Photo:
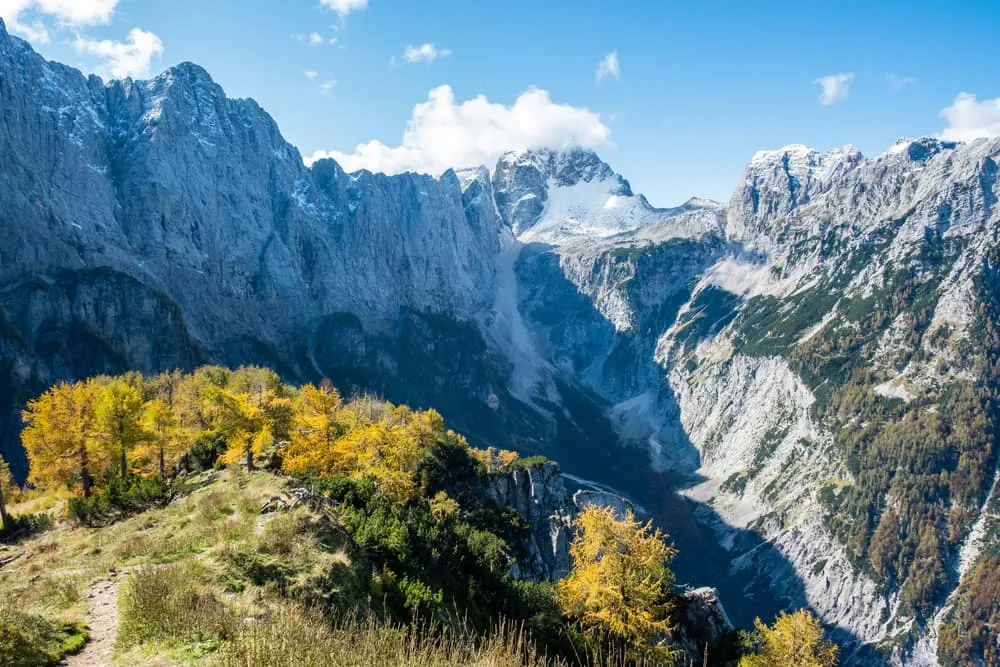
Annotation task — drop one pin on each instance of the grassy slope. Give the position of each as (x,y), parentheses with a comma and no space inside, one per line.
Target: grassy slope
(210,576)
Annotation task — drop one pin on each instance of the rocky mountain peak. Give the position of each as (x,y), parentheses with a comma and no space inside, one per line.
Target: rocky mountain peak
(921,149)
(777,182)
(552,196)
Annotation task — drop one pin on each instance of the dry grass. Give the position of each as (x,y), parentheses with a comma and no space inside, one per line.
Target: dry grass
(291,637)
(171,604)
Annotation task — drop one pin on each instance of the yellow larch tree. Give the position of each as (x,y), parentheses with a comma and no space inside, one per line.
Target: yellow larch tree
(59,437)
(164,443)
(118,421)
(376,450)
(315,430)
(620,587)
(256,412)
(794,640)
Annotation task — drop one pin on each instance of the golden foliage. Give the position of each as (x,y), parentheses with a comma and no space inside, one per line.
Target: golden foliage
(117,415)
(795,640)
(328,439)
(164,444)
(59,437)
(620,586)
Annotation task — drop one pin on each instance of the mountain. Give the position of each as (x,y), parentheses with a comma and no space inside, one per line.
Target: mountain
(800,384)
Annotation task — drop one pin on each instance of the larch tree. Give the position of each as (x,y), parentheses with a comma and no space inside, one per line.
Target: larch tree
(59,437)
(315,430)
(255,408)
(165,443)
(118,418)
(620,587)
(795,640)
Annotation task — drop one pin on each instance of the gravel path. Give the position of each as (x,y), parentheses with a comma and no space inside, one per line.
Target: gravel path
(102,621)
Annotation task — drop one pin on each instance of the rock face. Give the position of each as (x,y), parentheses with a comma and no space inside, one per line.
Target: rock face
(772,357)
(702,624)
(538,493)
(539,496)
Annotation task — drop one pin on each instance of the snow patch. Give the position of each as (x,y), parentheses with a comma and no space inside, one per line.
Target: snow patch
(895,388)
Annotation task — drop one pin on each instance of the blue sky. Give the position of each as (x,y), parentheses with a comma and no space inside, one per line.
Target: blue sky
(696,90)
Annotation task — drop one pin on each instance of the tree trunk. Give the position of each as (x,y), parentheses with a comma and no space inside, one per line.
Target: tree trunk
(123,463)
(163,465)
(85,472)
(249,459)
(3,509)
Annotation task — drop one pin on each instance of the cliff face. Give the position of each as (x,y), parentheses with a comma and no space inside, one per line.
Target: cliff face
(132,203)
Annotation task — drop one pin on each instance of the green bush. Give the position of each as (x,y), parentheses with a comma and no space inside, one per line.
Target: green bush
(27,640)
(20,527)
(118,498)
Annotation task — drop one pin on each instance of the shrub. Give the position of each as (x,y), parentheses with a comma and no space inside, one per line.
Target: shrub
(119,498)
(20,527)
(27,640)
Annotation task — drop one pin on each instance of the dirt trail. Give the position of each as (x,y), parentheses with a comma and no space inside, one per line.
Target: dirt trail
(102,621)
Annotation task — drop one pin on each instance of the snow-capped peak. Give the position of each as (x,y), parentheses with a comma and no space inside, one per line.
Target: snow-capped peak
(556,196)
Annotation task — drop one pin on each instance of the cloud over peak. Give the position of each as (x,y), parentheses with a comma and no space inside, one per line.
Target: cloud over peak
(970,119)
(131,58)
(443,133)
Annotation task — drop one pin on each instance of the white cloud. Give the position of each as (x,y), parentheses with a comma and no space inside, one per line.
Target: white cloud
(123,59)
(609,66)
(970,119)
(426,53)
(442,133)
(345,7)
(326,88)
(835,87)
(315,39)
(66,12)
(899,81)
(311,73)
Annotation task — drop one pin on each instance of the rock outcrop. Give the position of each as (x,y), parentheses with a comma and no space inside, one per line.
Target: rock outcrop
(539,495)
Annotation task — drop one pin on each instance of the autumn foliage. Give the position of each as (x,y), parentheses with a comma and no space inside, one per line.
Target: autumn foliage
(620,588)
(795,640)
(76,433)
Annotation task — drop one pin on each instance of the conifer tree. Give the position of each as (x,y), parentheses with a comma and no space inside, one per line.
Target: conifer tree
(620,585)
(118,414)
(59,437)
(160,425)
(315,430)
(795,640)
